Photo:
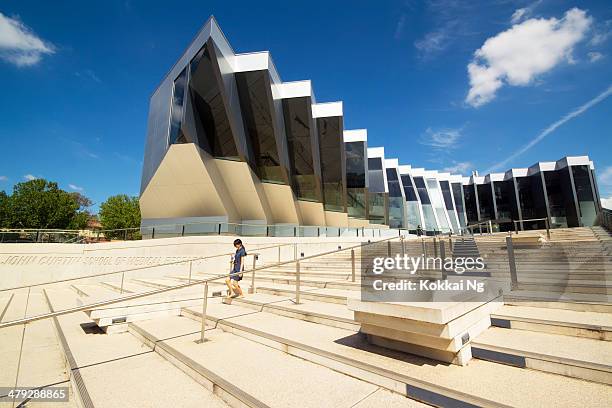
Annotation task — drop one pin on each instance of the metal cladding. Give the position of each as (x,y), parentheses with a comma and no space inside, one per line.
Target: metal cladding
(228,141)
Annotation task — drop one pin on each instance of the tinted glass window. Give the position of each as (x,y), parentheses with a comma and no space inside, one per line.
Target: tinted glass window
(446,193)
(374,163)
(212,123)
(422,190)
(255,103)
(408,188)
(331,148)
(176,117)
(299,141)
(355,164)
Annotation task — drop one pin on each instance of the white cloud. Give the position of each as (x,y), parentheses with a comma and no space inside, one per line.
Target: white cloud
(30,177)
(607,203)
(519,14)
(460,167)
(3,178)
(432,42)
(523,13)
(575,113)
(602,33)
(605,177)
(75,187)
(595,56)
(518,55)
(19,44)
(441,139)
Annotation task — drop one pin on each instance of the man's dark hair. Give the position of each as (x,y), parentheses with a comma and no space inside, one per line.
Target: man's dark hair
(237,242)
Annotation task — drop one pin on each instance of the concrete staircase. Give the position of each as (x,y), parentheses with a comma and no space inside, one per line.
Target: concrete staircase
(264,350)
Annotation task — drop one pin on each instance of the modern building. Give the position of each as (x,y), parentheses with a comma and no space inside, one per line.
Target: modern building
(229,142)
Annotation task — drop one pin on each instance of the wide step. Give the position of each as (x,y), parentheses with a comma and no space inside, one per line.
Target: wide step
(419,378)
(253,373)
(571,356)
(556,321)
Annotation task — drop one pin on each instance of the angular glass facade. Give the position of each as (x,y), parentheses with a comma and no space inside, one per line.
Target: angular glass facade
(331,148)
(176,117)
(413,214)
(448,204)
(428,212)
(585,195)
(355,156)
(396,199)
(532,201)
(298,123)
(458,196)
(255,93)
(485,202)
(438,205)
(209,100)
(211,120)
(471,210)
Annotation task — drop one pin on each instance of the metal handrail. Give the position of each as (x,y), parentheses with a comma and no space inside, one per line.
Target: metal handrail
(547,222)
(137,268)
(171,288)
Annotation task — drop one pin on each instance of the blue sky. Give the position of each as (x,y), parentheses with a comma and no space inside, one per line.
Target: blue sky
(442,84)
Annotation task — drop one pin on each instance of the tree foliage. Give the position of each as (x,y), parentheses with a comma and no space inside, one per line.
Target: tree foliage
(41,204)
(118,213)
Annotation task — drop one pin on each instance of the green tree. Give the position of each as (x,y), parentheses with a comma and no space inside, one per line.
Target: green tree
(120,212)
(79,221)
(4,199)
(40,204)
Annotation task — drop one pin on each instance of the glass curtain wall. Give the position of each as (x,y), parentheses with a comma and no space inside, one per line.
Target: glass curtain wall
(585,195)
(396,200)
(331,148)
(255,94)
(485,201)
(438,205)
(531,199)
(176,116)
(470,203)
(505,200)
(305,182)
(448,204)
(211,120)
(558,204)
(377,196)
(355,154)
(413,215)
(458,196)
(431,226)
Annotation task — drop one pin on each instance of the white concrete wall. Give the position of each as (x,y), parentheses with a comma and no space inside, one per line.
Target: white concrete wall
(27,264)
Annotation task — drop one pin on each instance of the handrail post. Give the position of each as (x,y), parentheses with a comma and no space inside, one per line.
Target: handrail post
(450,244)
(121,290)
(512,264)
(295,251)
(252,288)
(190,266)
(547,229)
(297,282)
(352,265)
(480,228)
(204,305)
(435,245)
(442,257)
(515,227)
(490,227)
(403,246)
(424,247)
(389,248)
(279,253)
